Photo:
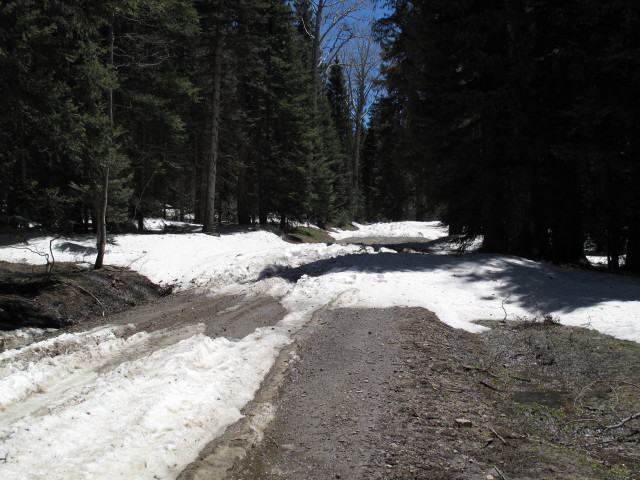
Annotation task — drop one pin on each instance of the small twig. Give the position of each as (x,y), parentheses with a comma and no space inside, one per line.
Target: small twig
(622,382)
(498,435)
(603,442)
(594,409)
(580,420)
(4,459)
(488,385)
(500,473)
(273,440)
(624,421)
(488,372)
(504,309)
(453,390)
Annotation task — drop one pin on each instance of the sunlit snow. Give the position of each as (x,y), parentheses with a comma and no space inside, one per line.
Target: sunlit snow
(108,404)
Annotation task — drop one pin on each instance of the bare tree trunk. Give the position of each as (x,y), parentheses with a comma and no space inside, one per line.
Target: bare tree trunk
(196,186)
(361,78)
(315,57)
(355,179)
(101,226)
(633,246)
(242,194)
(185,188)
(212,159)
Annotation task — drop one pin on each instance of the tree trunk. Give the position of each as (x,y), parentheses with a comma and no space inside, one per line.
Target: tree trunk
(101,227)
(196,185)
(212,159)
(633,246)
(315,57)
(101,213)
(421,205)
(513,11)
(496,239)
(355,174)
(566,237)
(181,194)
(243,203)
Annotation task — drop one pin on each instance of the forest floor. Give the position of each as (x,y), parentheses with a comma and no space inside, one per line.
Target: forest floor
(383,393)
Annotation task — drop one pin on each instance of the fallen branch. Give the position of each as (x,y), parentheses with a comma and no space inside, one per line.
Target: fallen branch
(273,440)
(500,473)
(491,387)
(87,292)
(504,320)
(624,421)
(498,435)
(53,260)
(488,372)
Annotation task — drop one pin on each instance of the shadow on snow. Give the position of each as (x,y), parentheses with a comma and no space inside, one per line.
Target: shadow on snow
(531,285)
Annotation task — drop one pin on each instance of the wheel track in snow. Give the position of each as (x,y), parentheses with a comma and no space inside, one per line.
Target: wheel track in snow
(80,360)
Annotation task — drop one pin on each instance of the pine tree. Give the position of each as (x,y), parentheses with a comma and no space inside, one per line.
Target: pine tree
(57,76)
(155,62)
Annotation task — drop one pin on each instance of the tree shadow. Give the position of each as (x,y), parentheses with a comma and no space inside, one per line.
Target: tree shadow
(75,248)
(545,288)
(531,285)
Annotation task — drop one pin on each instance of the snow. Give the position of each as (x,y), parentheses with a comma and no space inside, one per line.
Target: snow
(462,289)
(427,230)
(147,418)
(184,260)
(162,225)
(604,260)
(108,403)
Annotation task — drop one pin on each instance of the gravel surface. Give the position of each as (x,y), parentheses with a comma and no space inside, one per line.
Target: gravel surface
(396,394)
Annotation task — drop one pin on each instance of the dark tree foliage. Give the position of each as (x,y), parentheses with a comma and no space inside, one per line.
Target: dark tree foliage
(54,132)
(518,120)
(116,97)
(338,99)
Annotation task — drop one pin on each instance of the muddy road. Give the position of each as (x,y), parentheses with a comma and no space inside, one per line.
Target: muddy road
(396,394)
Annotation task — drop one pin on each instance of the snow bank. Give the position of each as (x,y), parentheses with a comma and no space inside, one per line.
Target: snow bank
(459,290)
(427,230)
(146,418)
(16,338)
(38,367)
(184,260)
(463,289)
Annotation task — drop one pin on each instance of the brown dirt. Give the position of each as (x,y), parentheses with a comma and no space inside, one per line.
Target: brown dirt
(70,294)
(396,394)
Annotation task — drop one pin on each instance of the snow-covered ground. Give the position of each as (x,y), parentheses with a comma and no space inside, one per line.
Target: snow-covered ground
(101,404)
(427,230)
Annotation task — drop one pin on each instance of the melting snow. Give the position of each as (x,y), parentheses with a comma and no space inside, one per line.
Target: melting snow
(106,404)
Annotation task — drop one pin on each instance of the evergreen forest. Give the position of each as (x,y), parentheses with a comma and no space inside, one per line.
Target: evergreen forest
(514,120)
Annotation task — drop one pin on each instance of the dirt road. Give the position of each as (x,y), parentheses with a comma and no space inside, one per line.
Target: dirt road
(396,394)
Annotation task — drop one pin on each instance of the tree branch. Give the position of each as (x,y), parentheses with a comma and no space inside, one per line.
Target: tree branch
(624,421)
